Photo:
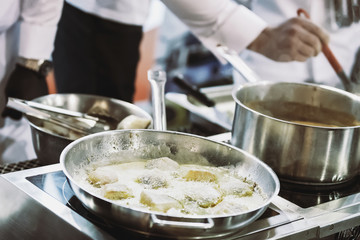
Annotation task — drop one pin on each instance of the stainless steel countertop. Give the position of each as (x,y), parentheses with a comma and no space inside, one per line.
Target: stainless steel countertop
(29,213)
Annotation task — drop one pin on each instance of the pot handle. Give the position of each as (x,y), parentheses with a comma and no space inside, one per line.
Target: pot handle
(238,64)
(194,225)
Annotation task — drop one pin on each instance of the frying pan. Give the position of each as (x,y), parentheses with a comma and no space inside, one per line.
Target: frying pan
(181,147)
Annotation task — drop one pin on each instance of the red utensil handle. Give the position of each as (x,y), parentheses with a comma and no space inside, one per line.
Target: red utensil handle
(325,48)
(331,58)
(303,11)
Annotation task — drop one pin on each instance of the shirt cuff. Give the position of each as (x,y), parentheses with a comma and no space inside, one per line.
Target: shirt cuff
(240,28)
(36,42)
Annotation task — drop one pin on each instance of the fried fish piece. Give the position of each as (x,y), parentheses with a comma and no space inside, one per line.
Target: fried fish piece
(163,163)
(235,186)
(158,202)
(117,191)
(102,176)
(203,193)
(200,175)
(152,180)
(229,206)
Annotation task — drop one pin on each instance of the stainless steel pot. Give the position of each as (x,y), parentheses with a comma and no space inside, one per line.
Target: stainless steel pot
(304,154)
(48,145)
(148,144)
(297,152)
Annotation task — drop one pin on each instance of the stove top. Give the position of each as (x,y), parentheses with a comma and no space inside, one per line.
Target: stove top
(309,196)
(39,202)
(62,192)
(294,213)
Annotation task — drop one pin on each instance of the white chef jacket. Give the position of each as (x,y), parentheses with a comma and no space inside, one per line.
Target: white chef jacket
(212,21)
(344,43)
(27,29)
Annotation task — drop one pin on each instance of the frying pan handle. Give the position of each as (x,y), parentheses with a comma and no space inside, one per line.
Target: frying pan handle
(194,225)
(238,64)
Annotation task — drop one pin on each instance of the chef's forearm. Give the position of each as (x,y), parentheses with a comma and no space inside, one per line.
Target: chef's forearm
(218,21)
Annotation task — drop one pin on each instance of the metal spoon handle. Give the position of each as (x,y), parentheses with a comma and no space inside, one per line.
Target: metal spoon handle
(157,81)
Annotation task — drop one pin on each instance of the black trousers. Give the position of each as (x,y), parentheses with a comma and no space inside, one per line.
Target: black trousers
(95,56)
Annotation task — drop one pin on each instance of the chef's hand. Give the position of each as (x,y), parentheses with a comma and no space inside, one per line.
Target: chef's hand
(294,40)
(25,84)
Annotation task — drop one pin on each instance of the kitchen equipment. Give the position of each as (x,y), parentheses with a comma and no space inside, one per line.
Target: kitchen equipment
(61,111)
(48,145)
(346,12)
(202,98)
(149,144)
(157,81)
(39,202)
(300,153)
(193,91)
(200,113)
(73,125)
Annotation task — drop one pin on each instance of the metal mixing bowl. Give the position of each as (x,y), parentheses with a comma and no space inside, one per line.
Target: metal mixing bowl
(48,145)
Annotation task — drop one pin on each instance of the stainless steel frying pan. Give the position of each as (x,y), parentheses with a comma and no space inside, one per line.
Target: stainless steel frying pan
(148,144)
(181,147)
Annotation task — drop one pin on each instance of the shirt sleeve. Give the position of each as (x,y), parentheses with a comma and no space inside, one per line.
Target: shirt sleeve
(9,12)
(38,24)
(218,22)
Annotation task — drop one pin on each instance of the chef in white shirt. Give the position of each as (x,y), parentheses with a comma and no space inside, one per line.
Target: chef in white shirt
(27,32)
(97,42)
(91,55)
(344,42)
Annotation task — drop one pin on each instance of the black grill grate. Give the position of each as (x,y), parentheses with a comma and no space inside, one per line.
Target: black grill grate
(14,167)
